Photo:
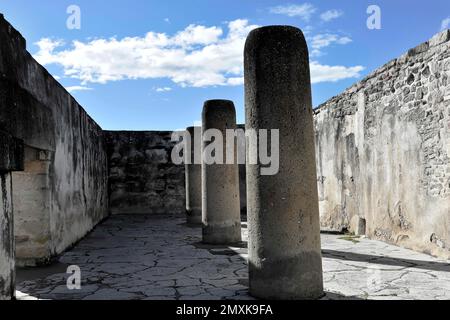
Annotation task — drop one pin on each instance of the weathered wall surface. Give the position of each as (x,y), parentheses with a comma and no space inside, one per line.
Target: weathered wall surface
(383,152)
(6,238)
(32,214)
(64,185)
(11,159)
(142,177)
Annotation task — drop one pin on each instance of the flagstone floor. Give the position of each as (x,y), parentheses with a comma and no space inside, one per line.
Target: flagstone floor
(159,257)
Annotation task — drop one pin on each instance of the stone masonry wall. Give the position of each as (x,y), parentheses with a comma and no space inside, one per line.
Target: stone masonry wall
(142,178)
(6,238)
(383,152)
(62,193)
(11,159)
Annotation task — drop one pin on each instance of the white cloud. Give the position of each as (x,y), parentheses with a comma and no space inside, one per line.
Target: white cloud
(331,14)
(77,88)
(325,73)
(445,24)
(46,48)
(196,35)
(304,11)
(164,89)
(321,41)
(324,40)
(167,20)
(237,81)
(197,56)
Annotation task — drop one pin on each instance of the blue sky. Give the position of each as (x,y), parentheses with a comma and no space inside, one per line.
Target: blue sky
(150,65)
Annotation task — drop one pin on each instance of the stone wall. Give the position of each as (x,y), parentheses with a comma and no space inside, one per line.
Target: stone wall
(142,178)
(6,238)
(11,159)
(383,152)
(62,193)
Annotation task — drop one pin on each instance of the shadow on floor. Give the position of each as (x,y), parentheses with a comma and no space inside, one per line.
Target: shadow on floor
(407,263)
(337,296)
(191,225)
(34,273)
(223,250)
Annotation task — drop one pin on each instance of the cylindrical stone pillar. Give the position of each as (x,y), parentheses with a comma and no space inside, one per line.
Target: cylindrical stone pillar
(193,170)
(283,214)
(220,181)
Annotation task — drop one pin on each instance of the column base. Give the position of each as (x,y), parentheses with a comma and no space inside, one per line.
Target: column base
(194,216)
(297,278)
(222,235)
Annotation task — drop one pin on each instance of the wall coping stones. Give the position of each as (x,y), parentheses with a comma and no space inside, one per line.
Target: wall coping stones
(436,40)
(440,38)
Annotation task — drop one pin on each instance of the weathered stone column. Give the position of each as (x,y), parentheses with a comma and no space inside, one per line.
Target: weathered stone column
(11,159)
(194,177)
(220,182)
(283,215)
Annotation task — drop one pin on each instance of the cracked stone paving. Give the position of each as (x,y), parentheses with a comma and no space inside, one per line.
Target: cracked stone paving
(160,257)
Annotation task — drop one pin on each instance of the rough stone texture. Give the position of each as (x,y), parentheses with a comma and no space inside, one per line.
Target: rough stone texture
(143,257)
(157,163)
(383,152)
(194,177)
(283,213)
(142,177)
(159,257)
(31,208)
(35,108)
(11,153)
(7,272)
(11,159)
(221,214)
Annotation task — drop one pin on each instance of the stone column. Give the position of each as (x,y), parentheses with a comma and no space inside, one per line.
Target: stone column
(220,182)
(283,215)
(194,177)
(11,159)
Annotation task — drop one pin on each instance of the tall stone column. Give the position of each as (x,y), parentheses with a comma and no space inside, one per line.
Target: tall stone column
(283,215)
(11,159)
(220,181)
(194,177)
